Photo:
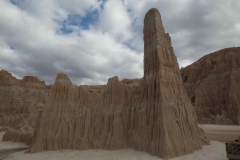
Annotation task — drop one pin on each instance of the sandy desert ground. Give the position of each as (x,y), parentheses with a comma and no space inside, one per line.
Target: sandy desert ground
(214,151)
(222,133)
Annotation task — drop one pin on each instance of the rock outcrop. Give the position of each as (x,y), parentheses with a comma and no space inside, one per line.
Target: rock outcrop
(213,86)
(20,103)
(153,114)
(167,122)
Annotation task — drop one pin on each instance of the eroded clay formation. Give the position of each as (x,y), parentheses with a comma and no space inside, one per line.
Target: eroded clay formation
(20,103)
(213,86)
(153,114)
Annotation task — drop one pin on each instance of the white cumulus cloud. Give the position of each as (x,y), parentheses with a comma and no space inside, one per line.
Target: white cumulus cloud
(92,40)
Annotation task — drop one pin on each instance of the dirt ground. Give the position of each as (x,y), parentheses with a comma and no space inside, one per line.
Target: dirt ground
(218,134)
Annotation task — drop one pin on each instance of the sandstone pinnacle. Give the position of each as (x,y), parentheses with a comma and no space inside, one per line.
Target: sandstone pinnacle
(171,127)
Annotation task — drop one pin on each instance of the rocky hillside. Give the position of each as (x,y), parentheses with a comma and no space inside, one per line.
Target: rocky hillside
(20,103)
(213,85)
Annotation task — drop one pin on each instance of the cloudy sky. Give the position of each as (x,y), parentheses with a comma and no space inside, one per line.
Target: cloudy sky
(92,40)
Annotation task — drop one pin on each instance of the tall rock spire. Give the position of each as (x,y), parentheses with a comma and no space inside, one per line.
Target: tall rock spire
(155,39)
(170,125)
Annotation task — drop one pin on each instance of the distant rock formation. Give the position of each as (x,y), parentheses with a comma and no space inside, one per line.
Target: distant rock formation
(153,114)
(213,86)
(20,103)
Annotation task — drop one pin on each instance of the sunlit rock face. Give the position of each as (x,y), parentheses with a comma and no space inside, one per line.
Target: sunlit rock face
(152,114)
(213,86)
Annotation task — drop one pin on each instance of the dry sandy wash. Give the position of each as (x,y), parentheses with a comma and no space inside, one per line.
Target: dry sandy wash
(214,151)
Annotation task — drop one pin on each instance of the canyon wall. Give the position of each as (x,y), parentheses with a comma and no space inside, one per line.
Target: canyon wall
(20,103)
(213,86)
(153,114)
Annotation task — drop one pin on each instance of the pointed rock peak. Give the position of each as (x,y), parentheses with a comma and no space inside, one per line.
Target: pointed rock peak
(113,80)
(62,77)
(6,75)
(154,34)
(3,72)
(153,20)
(32,79)
(155,40)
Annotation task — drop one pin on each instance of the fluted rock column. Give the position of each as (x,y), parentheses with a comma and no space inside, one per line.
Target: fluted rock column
(166,123)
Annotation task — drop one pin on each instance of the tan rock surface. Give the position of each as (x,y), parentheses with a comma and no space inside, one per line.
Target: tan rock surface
(213,86)
(153,114)
(165,124)
(75,118)
(20,103)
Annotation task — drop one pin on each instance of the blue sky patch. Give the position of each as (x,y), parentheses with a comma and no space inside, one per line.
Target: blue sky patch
(12,48)
(65,29)
(78,21)
(129,46)
(102,5)
(14,2)
(17,3)
(90,18)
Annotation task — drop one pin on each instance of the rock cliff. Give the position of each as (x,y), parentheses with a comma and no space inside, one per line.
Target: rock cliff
(213,86)
(20,103)
(167,125)
(153,114)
